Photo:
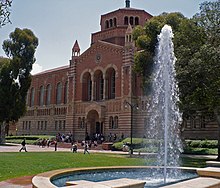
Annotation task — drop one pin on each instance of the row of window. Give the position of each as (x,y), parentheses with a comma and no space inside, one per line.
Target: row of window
(26,125)
(127,20)
(96,89)
(42,125)
(60,125)
(113,122)
(81,123)
(45,95)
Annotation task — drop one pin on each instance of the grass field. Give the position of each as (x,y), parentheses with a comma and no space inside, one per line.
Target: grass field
(31,163)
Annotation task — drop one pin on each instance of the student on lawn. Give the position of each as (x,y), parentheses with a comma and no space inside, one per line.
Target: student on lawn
(23,146)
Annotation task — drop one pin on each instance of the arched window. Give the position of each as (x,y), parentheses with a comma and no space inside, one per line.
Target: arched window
(41,96)
(131,20)
(136,21)
(65,92)
(79,122)
(116,122)
(48,94)
(106,24)
(32,97)
(115,22)
(111,23)
(83,122)
(126,20)
(87,87)
(111,122)
(110,83)
(99,86)
(59,93)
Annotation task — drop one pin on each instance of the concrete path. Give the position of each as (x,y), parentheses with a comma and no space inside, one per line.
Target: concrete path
(66,148)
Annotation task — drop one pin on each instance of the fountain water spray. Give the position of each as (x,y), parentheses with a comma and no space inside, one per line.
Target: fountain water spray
(165,117)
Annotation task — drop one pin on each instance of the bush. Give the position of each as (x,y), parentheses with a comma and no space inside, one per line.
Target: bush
(202,143)
(139,144)
(201,151)
(32,139)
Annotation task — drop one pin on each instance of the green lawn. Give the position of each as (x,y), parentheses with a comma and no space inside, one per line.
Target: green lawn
(31,163)
(24,164)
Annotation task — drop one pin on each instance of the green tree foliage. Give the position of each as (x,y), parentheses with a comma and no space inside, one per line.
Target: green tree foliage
(5,12)
(197,49)
(15,78)
(185,31)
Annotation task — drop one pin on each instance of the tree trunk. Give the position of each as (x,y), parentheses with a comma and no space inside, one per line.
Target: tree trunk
(217,115)
(2,132)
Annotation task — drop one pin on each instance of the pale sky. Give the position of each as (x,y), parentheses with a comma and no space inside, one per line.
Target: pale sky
(58,23)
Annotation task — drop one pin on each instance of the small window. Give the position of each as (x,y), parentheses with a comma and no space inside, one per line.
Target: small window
(115,22)
(126,20)
(106,24)
(131,20)
(136,21)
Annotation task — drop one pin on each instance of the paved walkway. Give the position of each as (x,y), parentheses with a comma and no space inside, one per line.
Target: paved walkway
(61,147)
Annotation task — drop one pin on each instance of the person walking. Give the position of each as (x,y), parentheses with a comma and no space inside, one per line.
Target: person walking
(86,147)
(55,145)
(23,146)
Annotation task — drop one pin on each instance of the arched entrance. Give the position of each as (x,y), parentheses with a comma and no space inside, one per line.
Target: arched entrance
(94,125)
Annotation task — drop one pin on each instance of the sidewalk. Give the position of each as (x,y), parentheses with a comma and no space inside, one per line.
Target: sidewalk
(61,147)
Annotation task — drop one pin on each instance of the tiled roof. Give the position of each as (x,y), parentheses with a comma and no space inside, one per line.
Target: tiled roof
(52,70)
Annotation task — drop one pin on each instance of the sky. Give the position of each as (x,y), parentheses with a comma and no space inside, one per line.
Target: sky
(58,23)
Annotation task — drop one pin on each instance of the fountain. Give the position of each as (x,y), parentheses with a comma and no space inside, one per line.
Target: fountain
(164,122)
(165,117)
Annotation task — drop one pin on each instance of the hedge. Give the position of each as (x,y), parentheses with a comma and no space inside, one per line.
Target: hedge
(32,139)
(139,144)
(201,143)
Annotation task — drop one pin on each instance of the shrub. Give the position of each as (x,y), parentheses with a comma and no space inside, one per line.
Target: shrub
(139,144)
(32,139)
(202,143)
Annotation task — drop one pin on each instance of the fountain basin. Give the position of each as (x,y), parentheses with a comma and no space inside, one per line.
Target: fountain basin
(49,179)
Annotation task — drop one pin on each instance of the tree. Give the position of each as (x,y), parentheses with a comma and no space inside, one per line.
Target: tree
(203,67)
(188,39)
(197,49)
(15,77)
(5,6)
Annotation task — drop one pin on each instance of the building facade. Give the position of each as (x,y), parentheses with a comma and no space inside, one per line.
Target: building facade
(98,92)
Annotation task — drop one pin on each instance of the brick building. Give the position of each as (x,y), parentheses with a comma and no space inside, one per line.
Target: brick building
(92,94)
(98,92)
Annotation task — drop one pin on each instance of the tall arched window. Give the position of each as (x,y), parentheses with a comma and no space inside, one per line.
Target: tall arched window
(110,83)
(41,96)
(111,122)
(136,21)
(115,122)
(48,94)
(126,20)
(59,93)
(32,97)
(99,86)
(65,92)
(87,87)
